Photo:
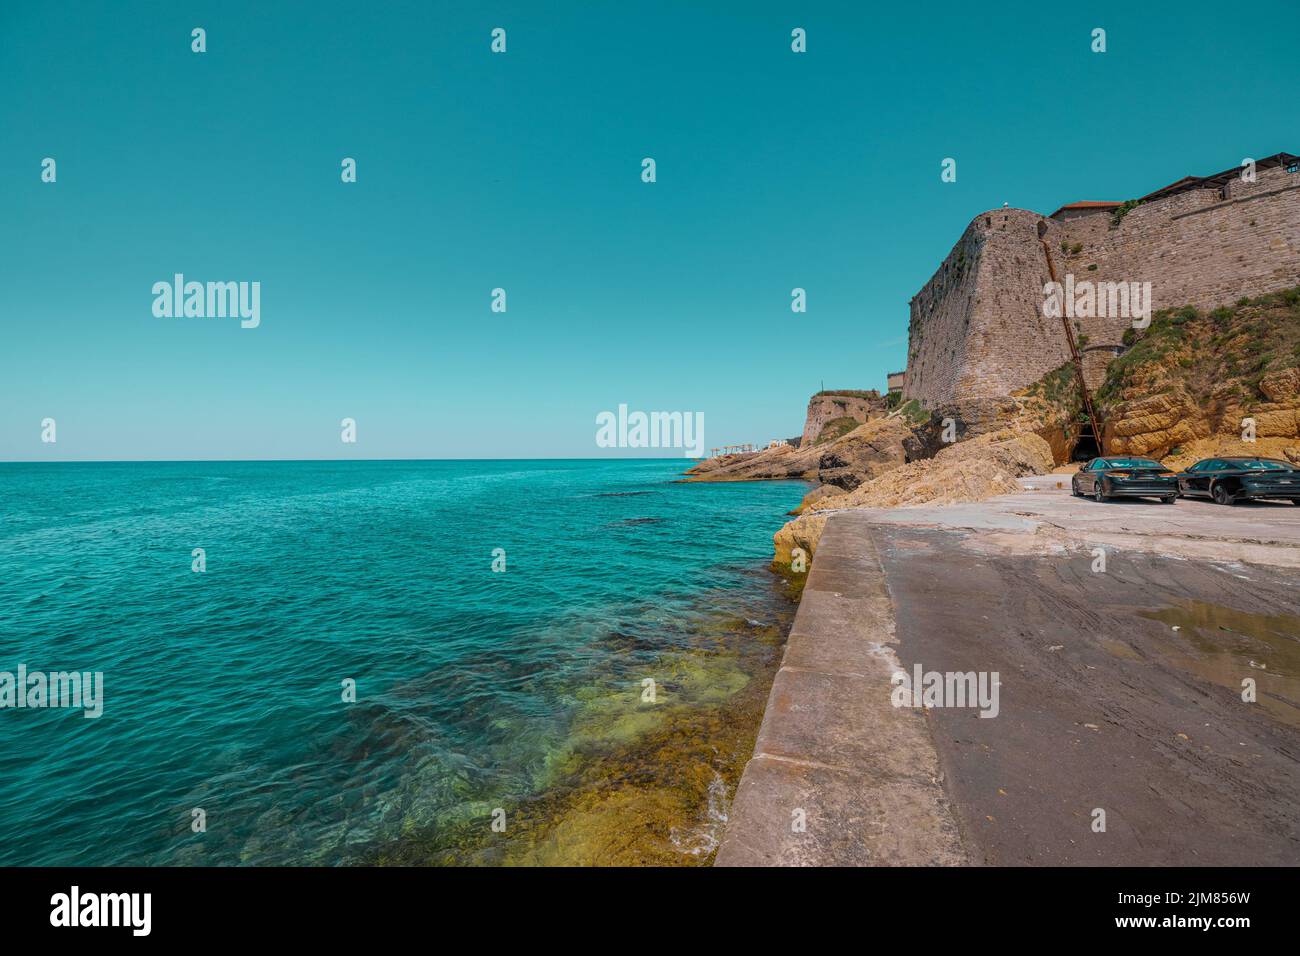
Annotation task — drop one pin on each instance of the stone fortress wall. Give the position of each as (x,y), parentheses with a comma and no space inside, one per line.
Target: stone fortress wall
(977,327)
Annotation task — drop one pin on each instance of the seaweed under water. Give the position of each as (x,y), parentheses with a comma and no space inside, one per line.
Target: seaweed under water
(637,782)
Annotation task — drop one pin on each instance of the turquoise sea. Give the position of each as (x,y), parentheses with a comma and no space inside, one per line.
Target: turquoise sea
(521,691)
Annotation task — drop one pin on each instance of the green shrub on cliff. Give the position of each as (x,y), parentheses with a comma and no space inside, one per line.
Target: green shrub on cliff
(1122,210)
(1060,389)
(914,412)
(836,428)
(1238,344)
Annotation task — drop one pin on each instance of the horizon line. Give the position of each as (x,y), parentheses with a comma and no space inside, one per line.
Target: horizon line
(217,461)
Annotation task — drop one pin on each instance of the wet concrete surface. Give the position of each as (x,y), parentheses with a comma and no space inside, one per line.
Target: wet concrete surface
(1120,690)
(840,777)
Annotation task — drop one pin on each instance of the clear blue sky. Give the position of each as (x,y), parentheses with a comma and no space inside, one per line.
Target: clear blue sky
(476,170)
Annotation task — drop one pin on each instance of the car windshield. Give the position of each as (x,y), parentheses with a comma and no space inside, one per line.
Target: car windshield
(1132,463)
(1260,464)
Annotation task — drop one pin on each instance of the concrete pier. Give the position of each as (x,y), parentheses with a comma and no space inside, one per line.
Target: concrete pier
(1149,704)
(839,776)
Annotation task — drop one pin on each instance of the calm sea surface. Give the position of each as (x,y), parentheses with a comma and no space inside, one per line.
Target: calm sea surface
(518,696)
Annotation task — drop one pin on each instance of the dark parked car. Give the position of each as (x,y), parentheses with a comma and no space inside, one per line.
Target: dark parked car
(1123,477)
(1229,480)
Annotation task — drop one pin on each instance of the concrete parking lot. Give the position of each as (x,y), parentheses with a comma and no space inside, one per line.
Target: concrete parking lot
(1149,664)
(1263,533)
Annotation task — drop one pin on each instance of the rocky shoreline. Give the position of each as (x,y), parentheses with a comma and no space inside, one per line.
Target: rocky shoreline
(897,460)
(1180,392)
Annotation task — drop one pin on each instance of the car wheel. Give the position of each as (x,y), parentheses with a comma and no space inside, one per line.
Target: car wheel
(1169,499)
(1097,493)
(1221,495)
(1074,490)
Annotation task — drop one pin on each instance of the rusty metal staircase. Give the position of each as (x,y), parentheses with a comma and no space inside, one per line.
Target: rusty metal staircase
(1074,356)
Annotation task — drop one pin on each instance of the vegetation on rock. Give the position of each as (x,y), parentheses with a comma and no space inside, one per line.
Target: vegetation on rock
(836,428)
(1192,377)
(1123,209)
(914,412)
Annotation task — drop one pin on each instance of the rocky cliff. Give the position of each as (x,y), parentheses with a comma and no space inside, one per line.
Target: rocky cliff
(966,471)
(834,413)
(907,457)
(1190,384)
(832,448)
(1183,388)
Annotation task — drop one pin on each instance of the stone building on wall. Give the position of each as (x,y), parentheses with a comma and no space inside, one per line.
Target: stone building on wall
(978,328)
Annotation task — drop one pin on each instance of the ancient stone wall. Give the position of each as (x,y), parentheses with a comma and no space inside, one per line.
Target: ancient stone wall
(977,327)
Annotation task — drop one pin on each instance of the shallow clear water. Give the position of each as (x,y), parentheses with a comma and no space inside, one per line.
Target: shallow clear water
(222,690)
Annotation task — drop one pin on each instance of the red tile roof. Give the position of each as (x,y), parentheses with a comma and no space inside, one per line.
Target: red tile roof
(1086,204)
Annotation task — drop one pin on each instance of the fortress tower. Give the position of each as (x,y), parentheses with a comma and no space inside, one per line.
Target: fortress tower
(977,327)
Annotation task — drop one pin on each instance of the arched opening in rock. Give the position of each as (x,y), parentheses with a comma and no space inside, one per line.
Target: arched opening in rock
(1085,445)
